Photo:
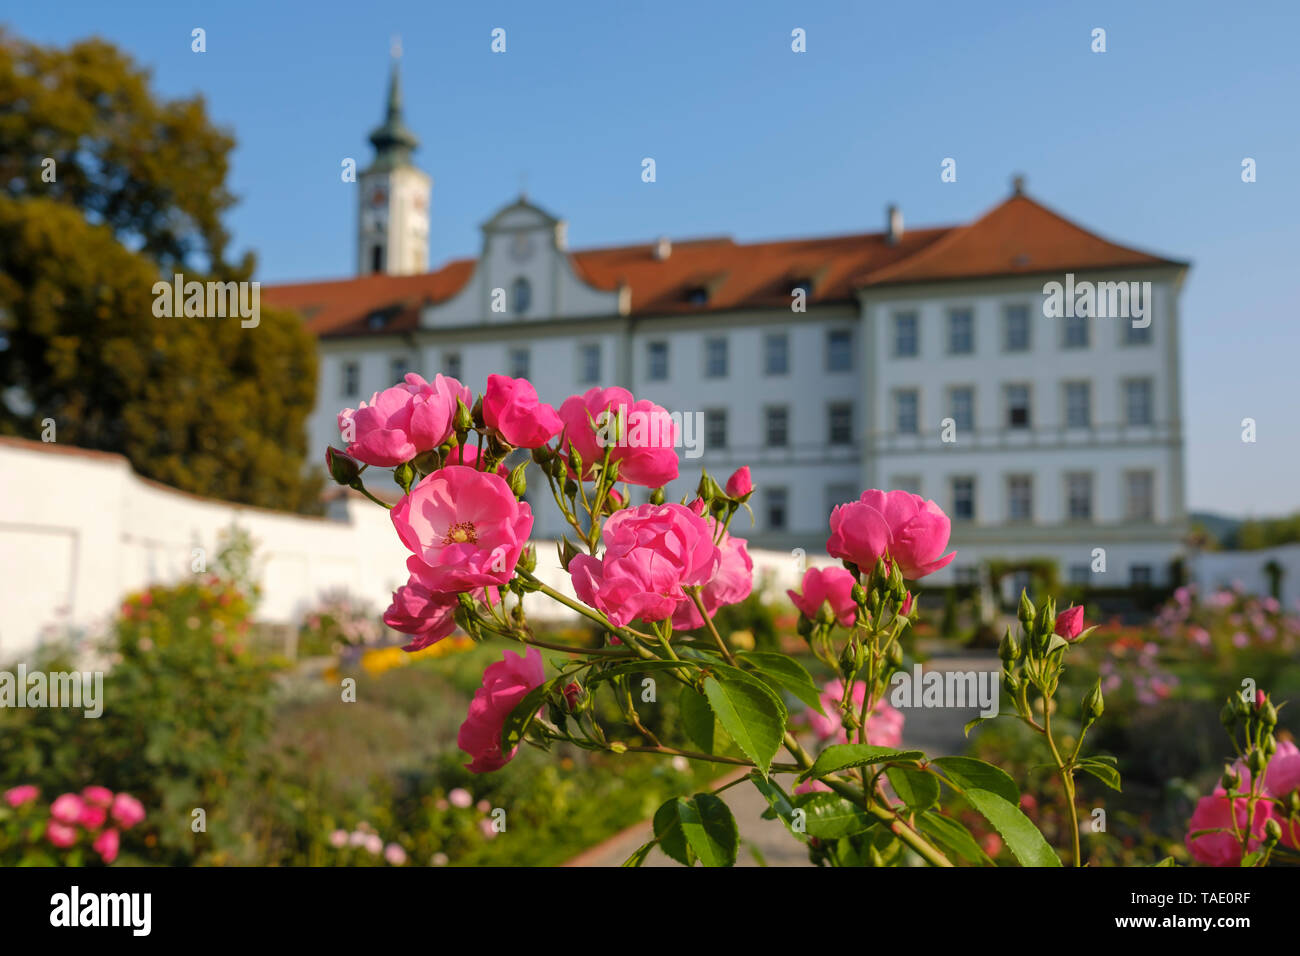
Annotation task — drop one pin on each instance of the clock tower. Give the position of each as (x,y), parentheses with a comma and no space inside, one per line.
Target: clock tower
(393,226)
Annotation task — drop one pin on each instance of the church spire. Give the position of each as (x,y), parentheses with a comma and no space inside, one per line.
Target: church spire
(393,141)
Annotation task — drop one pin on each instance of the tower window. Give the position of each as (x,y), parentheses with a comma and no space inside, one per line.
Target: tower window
(521,293)
(376,258)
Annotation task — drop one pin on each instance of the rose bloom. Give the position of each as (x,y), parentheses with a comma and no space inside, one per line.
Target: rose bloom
(740,485)
(339,839)
(902,527)
(465,527)
(512,410)
(127,810)
(60,834)
(100,796)
(394,854)
(92,817)
(468,455)
(651,553)
(460,797)
(67,808)
(731,584)
(884,723)
(426,615)
(1069,623)
(17,796)
(107,845)
(505,684)
(646,450)
(1222,849)
(833,585)
(401,422)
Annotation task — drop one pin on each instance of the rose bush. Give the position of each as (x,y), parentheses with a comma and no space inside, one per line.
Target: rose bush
(654,577)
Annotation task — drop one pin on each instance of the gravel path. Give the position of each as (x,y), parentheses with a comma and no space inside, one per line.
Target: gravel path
(937,731)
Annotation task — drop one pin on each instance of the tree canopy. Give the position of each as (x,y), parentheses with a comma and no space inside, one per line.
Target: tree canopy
(136,193)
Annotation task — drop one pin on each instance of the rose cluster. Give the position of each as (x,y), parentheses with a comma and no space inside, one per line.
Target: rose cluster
(96,813)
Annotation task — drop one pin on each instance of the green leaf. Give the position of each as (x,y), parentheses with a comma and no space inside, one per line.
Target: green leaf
(1102,770)
(844,756)
(1167,861)
(710,829)
(1017,830)
(780,804)
(639,857)
(751,713)
(517,723)
(668,831)
(632,668)
(787,673)
(916,788)
(971,774)
(972,724)
(698,720)
(952,837)
(828,816)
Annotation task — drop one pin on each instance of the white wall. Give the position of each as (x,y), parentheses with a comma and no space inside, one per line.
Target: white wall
(1211,570)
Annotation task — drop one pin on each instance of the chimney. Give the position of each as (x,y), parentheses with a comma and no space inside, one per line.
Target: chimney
(663,248)
(894,224)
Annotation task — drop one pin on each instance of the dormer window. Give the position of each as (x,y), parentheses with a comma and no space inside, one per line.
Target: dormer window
(376,321)
(697,295)
(521,296)
(801,285)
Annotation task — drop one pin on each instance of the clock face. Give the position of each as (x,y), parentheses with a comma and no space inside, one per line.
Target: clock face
(378,198)
(521,247)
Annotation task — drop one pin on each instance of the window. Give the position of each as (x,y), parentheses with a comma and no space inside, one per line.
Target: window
(521,294)
(838,494)
(1140,576)
(839,423)
(776,353)
(961,332)
(1078,496)
(351,379)
(715,358)
(715,427)
(907,335)
(1080,575)
(1137,401)
(1076,332)
(1020,498)
(1015,328)
(398,366)
(1078,405)
(1137,334)
(776,508)
(839,350)
(376,258)
(657,361)
(697,295)
(517,363)
(907,417)
(961,407)
(776,426)
(589,363)
(966,575)
(963,498)
(451,364)
(1139,496)
(1017,398)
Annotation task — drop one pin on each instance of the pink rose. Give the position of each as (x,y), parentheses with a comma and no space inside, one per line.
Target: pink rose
(740,486)
(505,684)
(127,810)
(834,585)
(896,525)
(1069,623)
(884,723)
(460,797)
(511,409)
(394,854)
(100,796)
(17,796)
(67,808)
(641,436)
(730,584)
(401,422)
(651,553)
(107,845)
(416,610)
(339,839)
(1213,812)
(60,834)
(465,527)
(468,455)
(92,817)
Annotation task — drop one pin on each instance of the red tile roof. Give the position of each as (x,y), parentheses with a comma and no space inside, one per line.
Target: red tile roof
(1018,237)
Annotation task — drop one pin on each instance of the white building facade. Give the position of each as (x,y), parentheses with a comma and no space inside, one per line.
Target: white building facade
(930,360)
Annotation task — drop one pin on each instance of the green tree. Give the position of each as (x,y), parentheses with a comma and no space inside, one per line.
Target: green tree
(199,403)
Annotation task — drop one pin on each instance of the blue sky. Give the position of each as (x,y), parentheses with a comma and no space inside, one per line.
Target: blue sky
(1143,143)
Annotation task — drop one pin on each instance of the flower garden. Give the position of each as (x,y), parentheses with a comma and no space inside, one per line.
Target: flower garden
(483,739)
